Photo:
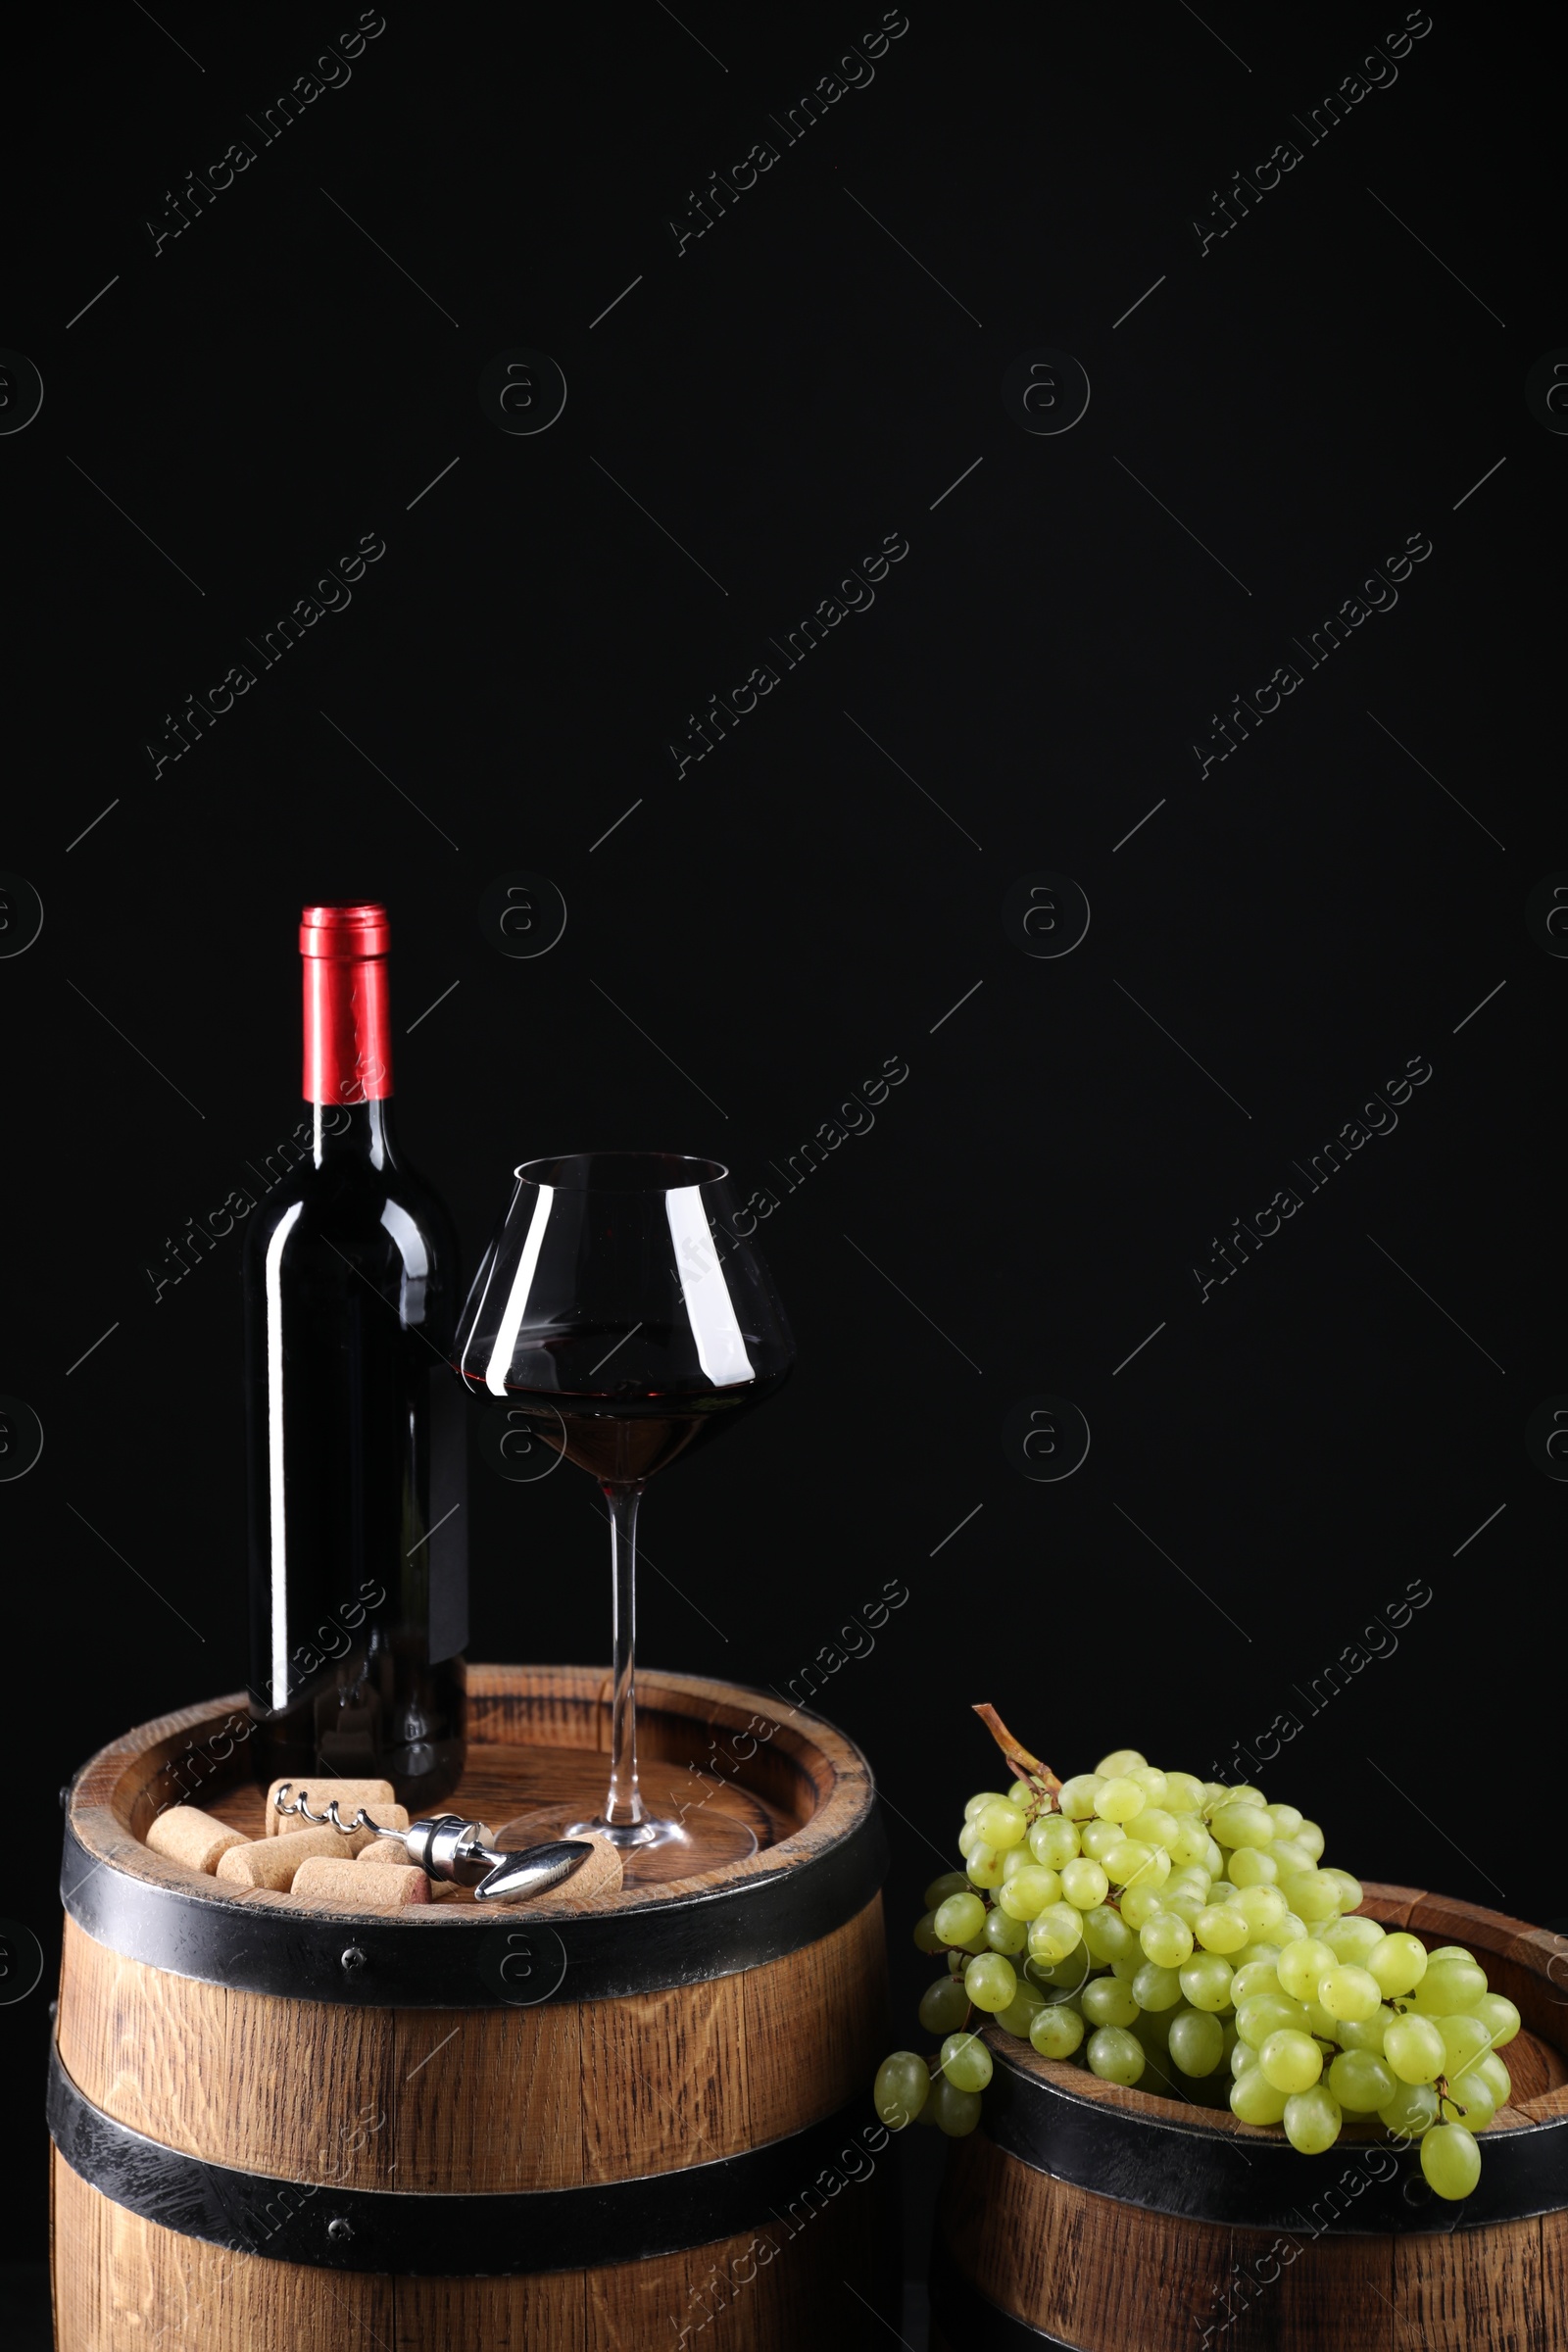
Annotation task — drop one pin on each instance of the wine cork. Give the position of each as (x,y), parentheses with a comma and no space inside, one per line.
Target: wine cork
(319,1793)
(384,1849)
(184,1833)
(345,1887)
(272,1861)
(600,1874)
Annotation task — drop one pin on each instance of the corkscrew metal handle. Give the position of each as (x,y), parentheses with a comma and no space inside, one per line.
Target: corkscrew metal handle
(446,1846)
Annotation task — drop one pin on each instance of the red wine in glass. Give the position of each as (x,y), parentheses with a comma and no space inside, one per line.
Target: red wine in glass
(620,1308)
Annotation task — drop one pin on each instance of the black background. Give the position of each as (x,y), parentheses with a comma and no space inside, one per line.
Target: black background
(765,930)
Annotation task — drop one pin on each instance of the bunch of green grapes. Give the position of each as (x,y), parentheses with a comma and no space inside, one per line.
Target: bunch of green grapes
(1185,1935)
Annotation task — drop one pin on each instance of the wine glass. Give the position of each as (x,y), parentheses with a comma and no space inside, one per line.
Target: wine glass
(624,1307)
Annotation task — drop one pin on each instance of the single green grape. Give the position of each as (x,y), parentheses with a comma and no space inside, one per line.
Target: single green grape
(1398,1964)
(1252,1978)
(1463,2039)
(960,1917)
(1166,1939)
(926,1939)
(1219,1928)
(1308,1834)
(992,1981)
(1243,1794)
(968,1840)
(1253,1866)
(1286,1819)
(1140,1903)
(965,2061)
(1084,1883)
(1495,2077)
(1116,2055)
(1255,2099)
(1119,1761)
(1186,1903)
(1361,2081)
(1096,1838)
(1353,1938)
(902,2087)
(1021,1795)
(1107,2001)
(1005,1933)
(1206,1981)
(1262,1907)
(1368,2035)
(1190,1844)
(1291,1856)
(944,2005)
(1197,2042)
(1412,2108)
(1182,1793)
(1312,2120)
(1349,1891)
(951,1882)
(1001,1824)
(1499,2017)
(1025,1894)
(1156,1827)
(1118,1798)
(1151,1780)
(1302,1965)
(1054,1840)
(1450,2160)
(1068,1974)
(1240,1824)
(954,2112)
(1054,1934)
(1057,2031)
(1471,2099)
(1107,1935)
(1268,2013)
(1015,1859)
(1289,1930)
(1022,2010)
(1413,2048)
(976,1805)
(1241,2057)
(1448,1987)
(984,1865)
(1349,1994)
(1290,2059)
(1311,1895)
(1076,1796)
(1128,1860)
(1156,1987)
(1128,1965)
(1449,1951)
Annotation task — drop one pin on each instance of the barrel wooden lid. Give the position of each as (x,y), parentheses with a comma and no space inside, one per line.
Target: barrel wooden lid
(537,1734)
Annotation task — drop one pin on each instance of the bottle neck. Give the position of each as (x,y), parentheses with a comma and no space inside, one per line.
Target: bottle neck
(354,1130)
(348,1032)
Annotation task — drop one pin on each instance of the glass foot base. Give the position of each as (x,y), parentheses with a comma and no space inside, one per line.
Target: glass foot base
(652,1851)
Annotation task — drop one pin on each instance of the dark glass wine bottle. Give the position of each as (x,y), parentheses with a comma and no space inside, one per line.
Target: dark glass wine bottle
(357,1446)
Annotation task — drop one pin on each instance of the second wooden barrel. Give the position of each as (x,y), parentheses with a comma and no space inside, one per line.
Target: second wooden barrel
(1086,2216)
(643,2121)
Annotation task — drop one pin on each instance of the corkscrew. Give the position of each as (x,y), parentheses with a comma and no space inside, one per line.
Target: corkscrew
(446,1846)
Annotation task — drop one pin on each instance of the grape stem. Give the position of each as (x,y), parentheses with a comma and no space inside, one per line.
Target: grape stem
(1026,1766)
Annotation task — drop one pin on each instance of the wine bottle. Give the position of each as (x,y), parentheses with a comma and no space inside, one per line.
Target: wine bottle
(356,1437)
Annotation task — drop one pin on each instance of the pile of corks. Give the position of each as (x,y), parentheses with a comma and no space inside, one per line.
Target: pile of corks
(321,1866)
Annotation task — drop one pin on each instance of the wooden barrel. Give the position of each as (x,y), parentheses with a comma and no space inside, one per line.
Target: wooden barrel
(640,2120)
(1084,2215)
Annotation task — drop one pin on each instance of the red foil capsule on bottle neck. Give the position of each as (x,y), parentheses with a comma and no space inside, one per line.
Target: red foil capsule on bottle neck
(347,1017)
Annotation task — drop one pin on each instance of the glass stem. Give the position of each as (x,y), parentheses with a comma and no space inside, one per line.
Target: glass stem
(623,1807)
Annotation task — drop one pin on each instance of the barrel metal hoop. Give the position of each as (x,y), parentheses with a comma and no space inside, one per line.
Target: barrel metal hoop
(459,1962)
(970,2318)
(1365,2188)
(502,2234)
